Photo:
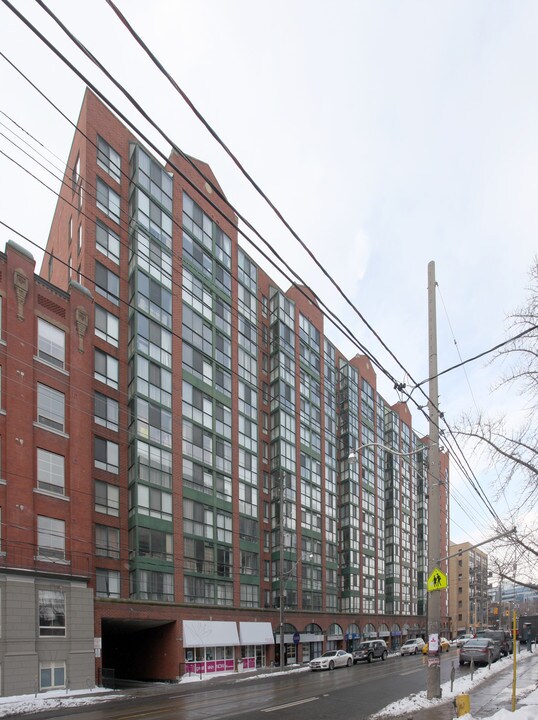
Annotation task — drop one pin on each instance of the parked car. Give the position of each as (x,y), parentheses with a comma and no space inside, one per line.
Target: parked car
(462,639)
(412,647)
(444,646)
(331,659)
(500,636)
(482,650)
(370,649)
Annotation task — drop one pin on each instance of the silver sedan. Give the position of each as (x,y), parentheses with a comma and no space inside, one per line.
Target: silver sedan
(481,650)
(332,659)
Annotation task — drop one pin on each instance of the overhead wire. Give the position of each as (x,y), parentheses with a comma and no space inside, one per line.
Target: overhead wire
(330,315)
(462,364)
(365,350)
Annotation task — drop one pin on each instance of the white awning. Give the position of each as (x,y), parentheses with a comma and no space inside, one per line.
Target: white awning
(256,633)
(208,633)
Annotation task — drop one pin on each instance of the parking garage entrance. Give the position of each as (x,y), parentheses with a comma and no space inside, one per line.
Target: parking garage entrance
(139,650)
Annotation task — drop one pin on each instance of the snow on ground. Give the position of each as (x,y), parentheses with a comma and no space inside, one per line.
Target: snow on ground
(20,704)
(464,685)
(527,698)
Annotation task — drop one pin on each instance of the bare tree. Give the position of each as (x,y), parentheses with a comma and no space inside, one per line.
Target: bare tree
(513,449)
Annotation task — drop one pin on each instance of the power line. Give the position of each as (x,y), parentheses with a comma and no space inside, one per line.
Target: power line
(365,350)
(477,357)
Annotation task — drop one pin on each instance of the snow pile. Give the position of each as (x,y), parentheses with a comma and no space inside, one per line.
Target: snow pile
(464,685)
(20,704)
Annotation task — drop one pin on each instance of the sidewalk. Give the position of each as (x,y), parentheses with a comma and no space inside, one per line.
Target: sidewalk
(488,697)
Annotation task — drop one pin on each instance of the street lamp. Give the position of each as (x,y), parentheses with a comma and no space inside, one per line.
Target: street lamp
(354,454)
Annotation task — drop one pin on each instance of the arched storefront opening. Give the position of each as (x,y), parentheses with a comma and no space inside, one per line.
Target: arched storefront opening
(335,637)
(290,649)
(384,632)
(353,637)
(312,642)
(369,632)
(395,637)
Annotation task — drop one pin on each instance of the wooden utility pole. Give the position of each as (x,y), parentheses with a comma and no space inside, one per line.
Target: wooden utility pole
(434,495)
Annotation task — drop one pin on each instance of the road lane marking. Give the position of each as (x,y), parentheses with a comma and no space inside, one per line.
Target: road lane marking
(291,704)
(410,672)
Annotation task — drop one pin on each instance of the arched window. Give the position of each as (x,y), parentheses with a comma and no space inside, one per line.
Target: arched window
(369,631)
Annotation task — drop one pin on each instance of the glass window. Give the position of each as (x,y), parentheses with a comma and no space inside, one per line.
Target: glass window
(151,217)
(75,174)
(107,498)
(50,407)
(107,583)
(51,675)
(108,201)
(150,175)
(154,502)
(50,343)
(107,242)
(151,339)
(152,585)
(152,380)
(106,368)
(108,159)
(50,472)
(152,298)
(106,455)
(51,612)
(107,283)
(151,543)
(50,538)
(107,326)
(106,411)
(107,541)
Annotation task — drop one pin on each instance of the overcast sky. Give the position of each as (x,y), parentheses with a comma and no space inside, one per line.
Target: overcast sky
(388,134)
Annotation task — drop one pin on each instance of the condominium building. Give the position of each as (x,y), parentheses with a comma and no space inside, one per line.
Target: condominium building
(198,455)
(468,588)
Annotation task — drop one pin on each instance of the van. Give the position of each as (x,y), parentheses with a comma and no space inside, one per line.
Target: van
(499,636)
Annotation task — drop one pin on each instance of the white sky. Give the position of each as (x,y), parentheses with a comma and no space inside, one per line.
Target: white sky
(389,134)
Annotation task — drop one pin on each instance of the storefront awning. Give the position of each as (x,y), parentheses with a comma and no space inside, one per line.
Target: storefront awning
(256,633)
(208,633)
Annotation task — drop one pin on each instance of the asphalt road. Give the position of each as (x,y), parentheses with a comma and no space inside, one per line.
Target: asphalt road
(352,693)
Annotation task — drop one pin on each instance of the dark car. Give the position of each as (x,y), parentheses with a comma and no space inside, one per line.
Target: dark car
(482,650)
(370,649)
(499,636)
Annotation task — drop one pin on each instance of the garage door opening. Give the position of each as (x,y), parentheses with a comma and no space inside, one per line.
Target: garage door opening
(139,650)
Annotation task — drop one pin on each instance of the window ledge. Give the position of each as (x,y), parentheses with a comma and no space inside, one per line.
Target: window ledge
(52,430)
(50,493)
(51,365)
(53,561)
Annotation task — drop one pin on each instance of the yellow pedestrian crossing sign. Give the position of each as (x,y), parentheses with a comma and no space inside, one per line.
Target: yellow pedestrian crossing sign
(437,580)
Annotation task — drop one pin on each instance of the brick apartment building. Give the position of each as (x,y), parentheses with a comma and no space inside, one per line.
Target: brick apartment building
(178,425)
(468,589)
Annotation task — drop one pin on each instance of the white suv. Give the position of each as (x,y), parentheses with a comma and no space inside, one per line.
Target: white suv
(412,647)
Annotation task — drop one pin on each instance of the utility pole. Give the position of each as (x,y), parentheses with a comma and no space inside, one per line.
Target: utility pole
(434,495)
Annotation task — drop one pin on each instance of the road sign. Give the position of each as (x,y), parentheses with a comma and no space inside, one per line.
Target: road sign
(296,638)
(437,580)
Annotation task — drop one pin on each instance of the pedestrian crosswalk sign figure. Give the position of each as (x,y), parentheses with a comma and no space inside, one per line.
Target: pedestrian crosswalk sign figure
(437,580)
